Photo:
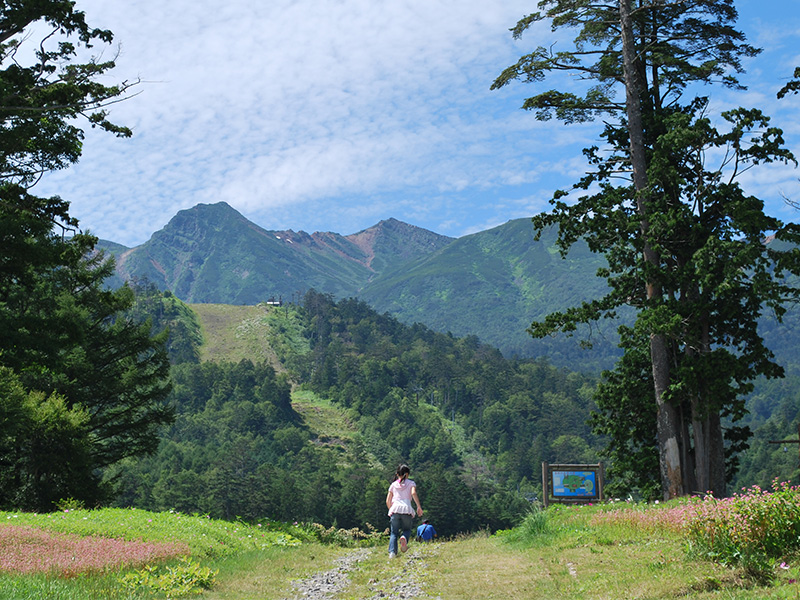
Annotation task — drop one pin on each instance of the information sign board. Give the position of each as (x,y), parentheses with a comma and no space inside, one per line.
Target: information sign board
(574,484)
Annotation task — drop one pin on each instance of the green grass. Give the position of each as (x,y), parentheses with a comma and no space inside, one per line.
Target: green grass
(211,544)
(205,537)
(331,424)
(596,552)
(260,333)
(328,421)
(46,587)
(582,554)
(233,333)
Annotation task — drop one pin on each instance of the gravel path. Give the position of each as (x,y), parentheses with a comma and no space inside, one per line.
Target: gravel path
(405,585)
(408,582)
(328,584)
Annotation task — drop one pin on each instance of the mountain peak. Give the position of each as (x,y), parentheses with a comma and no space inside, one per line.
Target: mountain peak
(212,253)
(391,241)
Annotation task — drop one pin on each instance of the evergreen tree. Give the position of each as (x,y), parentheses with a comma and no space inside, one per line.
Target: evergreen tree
(683,242)
(96,382)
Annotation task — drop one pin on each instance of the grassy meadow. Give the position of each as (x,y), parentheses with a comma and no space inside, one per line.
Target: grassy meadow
(745,547)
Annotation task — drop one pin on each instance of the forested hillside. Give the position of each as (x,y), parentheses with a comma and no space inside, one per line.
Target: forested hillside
(493,284)
(370,392)
(473,425)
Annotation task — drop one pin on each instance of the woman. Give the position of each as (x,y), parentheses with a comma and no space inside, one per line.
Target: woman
(398,501)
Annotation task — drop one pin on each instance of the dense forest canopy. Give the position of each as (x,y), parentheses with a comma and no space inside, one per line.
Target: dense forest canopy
(474,426)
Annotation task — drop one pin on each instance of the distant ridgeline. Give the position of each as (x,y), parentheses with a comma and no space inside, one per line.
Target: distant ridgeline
(492,284)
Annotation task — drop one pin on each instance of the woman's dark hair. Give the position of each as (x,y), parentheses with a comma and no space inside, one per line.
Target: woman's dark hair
(402,471)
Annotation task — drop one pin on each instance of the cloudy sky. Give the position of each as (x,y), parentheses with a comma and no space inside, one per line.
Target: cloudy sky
(330,115)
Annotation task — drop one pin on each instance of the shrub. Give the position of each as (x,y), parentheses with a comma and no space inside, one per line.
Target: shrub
(345,537)
(173,581)
(533,526)
(752,529)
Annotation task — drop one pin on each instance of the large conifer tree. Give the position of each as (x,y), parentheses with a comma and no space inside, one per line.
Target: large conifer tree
(86,372)
(684,243)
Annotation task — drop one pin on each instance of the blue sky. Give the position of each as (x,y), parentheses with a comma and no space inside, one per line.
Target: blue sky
(330,115)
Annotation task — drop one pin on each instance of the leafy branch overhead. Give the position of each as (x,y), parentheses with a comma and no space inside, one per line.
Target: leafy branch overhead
(793,87)
(682,43)
(40,101)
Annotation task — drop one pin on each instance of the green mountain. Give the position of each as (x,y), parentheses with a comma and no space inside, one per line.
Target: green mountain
(490,284)
(212,254)
(493,284)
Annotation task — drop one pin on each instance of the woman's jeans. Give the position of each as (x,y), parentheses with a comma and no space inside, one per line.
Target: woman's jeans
(399,525)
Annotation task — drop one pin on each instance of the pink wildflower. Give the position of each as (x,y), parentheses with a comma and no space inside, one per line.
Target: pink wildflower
(30,550)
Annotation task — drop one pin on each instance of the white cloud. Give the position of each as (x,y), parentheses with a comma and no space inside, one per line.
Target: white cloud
(326,114)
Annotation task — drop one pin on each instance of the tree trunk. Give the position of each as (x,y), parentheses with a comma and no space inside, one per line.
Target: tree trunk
(716,452)
(669,449)
(709,446)
(700,431)
(687,455)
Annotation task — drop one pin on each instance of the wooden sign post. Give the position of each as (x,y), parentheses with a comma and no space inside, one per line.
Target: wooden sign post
(572,484)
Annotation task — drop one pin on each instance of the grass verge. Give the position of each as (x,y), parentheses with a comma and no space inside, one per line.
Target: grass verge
(599,552)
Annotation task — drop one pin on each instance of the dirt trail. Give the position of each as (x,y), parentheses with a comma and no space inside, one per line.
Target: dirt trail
(404,585)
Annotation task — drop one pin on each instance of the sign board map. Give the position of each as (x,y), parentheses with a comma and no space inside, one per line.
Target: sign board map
(574,484)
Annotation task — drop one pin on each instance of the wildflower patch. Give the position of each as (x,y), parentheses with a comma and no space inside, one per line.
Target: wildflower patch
(30,550)
(755,528)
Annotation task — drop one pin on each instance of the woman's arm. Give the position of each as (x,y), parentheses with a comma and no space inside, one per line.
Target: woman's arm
(416,500)
(389,498)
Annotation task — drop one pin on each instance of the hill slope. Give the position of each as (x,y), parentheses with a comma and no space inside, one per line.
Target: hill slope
(233,333)
(493,284)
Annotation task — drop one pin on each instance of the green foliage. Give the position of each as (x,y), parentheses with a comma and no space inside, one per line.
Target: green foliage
(380,393)
(205,537)
(773,415)
(626,417)
(231,419)
(42,99)
(459,411)
(286,335)
(67,504)
(95,382)
(345,538)
(164,311)
(686,44)
(184,579)
(491,284)
(793,87)
(530,531)
(45,447)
